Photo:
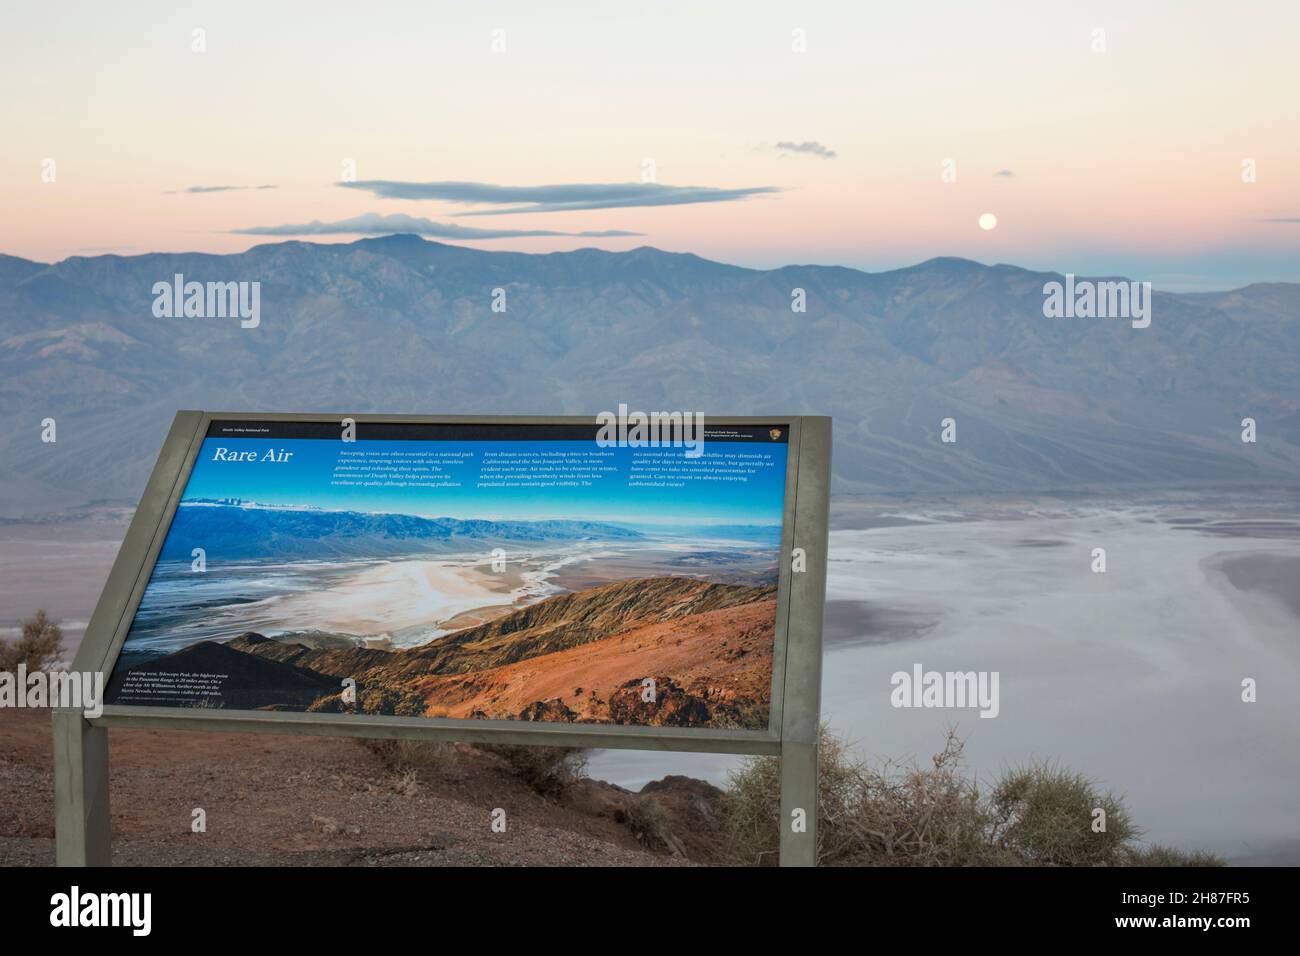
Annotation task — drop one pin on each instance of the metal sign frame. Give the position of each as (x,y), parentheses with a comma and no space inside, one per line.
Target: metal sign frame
(82,820)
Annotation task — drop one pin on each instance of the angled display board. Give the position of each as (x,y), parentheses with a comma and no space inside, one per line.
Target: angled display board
(527,580)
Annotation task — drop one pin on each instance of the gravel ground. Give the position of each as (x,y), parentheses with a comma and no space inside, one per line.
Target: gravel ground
(314,801)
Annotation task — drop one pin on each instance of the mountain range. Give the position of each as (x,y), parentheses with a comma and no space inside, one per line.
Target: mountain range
(244,533)
(401,324)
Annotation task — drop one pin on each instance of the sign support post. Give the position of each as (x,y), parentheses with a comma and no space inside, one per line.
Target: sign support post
(801,708)
(81,809)
(82,827)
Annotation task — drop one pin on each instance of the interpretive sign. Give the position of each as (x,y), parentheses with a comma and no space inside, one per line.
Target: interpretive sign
(623,581)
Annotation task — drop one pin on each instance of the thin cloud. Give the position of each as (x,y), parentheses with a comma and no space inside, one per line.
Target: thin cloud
(553,198)
(1005,173)
(1288,219)
(375,224)
(809,147)
(221,189)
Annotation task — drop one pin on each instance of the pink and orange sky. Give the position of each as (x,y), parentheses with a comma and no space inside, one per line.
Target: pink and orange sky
(1127,160)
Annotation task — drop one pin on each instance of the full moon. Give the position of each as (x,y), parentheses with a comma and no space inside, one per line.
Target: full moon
(988,221)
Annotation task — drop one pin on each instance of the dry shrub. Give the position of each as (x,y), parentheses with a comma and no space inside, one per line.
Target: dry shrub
(648,821)
(752,807)
(1043,815)
(1159,855)
(406,782)
(548,770)
(411,756)
(39,645)
(905,814)
(753,804)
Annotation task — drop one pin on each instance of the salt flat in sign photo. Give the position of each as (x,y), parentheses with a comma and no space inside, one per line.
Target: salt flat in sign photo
(522,580)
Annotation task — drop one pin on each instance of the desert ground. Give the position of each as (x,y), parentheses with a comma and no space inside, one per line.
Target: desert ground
(286,801)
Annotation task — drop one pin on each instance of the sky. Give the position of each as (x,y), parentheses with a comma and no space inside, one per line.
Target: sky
(305,477)
(1158,141)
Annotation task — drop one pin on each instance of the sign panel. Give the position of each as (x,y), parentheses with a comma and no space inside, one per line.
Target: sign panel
(560,573)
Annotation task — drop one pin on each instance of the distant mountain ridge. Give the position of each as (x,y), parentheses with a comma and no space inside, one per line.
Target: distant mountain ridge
(236,532)
(406,325)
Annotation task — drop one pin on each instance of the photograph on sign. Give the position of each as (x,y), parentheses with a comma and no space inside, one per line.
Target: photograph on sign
(550,572)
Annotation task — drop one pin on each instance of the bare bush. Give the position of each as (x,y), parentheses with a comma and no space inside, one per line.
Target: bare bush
(405,758)
(548,770)
(890,815)
(1158,855)
(39,645)
(905,814)
(912,815)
